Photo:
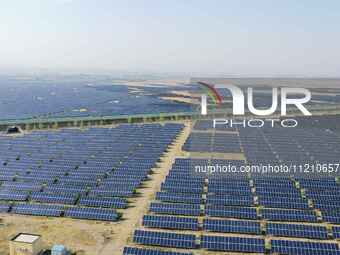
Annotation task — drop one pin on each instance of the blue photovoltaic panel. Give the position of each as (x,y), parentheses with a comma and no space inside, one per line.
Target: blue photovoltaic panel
(233,244)
(182,182)
(53,198)
(327,205)
(91,213)
(114,202)
(336,232)
(181,189)
(229,189)
(142,251)
(22,186)
(289,215)
(300,247)
(64,190)
(331,216)
(38,209)
(170,222)
(176,209)
(230,200)
(231,212)
(279,202)
(165,239)
(13,195)
(232,226)
(179,197)
(112,193)
(297,230)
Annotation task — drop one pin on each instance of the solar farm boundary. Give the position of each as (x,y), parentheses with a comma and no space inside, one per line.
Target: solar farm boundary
(83,122)
(133,216)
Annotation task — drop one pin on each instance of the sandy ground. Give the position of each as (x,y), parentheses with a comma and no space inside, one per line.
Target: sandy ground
(93,237)
(79,235)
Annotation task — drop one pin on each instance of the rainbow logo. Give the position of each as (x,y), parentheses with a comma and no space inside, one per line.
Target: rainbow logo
(211,92)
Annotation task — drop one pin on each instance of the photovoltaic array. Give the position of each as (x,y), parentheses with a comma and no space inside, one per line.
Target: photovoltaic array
(84,174)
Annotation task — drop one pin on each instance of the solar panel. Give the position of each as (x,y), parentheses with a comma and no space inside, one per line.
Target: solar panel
(233,244)
(289,215)
(231,212)
(170,222)
(279,202)
(272,190)
(232,226)
(53,198)
(112,193)
(22,186)
(13,195)
(176,209)
(300,247)
(296,230)
(176,173)
(332,217)
(181,189)
(233,182)
(114,202)
(92,213)
(64,189)
(336,232)
(165,239)
(230,200)
(142,251)
(179,197)
(229,189)
(38,209)
(182,182)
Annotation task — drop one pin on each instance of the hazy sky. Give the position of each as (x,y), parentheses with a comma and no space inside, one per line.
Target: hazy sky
(262,37)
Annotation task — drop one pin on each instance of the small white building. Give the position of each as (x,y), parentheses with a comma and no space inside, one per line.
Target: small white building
(26,244)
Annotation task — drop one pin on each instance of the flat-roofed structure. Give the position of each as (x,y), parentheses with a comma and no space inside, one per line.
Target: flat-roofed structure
(26,244)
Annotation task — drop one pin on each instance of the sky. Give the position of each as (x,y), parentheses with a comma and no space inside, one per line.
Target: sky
(215,37)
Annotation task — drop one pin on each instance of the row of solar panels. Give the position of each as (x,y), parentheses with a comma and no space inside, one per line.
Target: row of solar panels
(227,244)
(66,199)
(241,226)
(273,214)
(58,211)
(120,190)
(224,197)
